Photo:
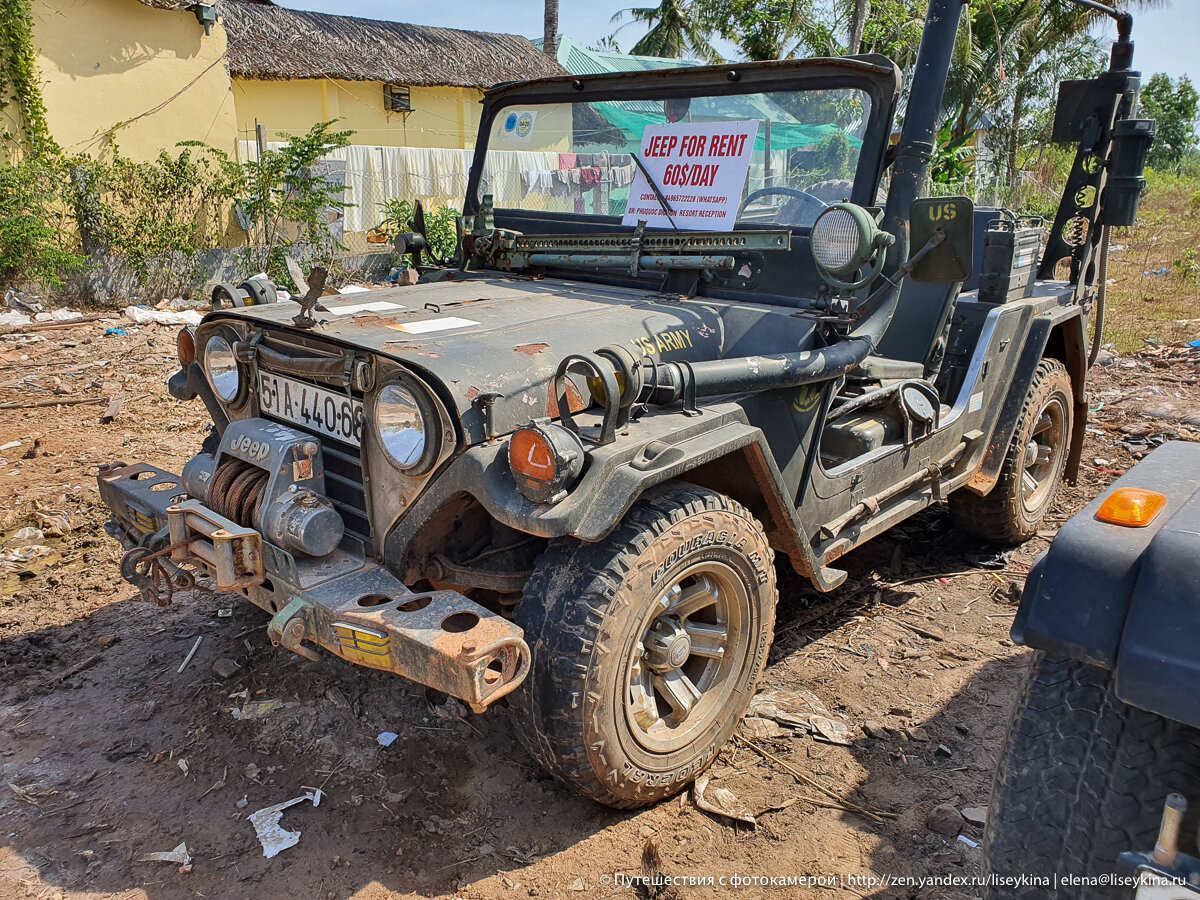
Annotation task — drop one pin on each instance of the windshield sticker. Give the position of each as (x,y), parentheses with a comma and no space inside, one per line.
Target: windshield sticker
(700,169)
(518,125)
(425,326)
(374,306)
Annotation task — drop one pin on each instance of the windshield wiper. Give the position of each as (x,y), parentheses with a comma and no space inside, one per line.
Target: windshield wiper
(662,201)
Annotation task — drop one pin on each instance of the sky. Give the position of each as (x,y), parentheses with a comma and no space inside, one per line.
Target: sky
(1166,39)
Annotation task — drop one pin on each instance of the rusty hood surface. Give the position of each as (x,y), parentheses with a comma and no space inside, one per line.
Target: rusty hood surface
(481,334)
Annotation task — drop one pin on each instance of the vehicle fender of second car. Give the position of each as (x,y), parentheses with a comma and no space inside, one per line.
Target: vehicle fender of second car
(1128,599)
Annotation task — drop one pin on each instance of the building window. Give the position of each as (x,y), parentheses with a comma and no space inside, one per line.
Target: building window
(397,98)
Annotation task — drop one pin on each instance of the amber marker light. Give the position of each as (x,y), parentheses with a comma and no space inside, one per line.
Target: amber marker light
(185,346)
(545,460)
(1131,507)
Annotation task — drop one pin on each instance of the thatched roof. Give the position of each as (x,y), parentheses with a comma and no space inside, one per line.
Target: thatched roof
(189,5)
(273,43)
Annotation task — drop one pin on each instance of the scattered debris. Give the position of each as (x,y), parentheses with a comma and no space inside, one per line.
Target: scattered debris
(976,815)
(226,667)
(943,750)
(11,445)
(28,535)
(798,709)
(144,315)
(763,729)
(115,332)
(271,835)
(187,659)
(963,839)
(387,738)
(576,885)
(720,801)
(179,856)
(258,709)
(183,766)
(944,819)
(113,410)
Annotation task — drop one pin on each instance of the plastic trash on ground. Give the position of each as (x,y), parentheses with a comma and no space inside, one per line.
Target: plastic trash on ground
(143,315)
(273,837)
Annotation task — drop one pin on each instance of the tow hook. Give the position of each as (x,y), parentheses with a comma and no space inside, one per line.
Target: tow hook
(289,627)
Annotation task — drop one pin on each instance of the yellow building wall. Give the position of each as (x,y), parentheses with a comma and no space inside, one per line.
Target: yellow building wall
(147,78)
(442,117)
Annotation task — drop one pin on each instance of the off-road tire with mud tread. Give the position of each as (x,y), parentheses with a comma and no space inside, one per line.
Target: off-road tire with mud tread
(580,611)
(1001,516)
(1082,778)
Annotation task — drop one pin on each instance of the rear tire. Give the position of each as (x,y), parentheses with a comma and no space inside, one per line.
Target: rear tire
(647,646)
(1081,779)
(1033,466)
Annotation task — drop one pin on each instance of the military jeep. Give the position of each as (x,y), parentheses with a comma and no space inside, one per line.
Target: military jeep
(561,467)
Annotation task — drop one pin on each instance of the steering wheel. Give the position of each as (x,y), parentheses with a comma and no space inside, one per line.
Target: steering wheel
(793,211)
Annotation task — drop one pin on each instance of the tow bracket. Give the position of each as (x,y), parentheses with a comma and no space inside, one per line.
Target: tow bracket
(440,639)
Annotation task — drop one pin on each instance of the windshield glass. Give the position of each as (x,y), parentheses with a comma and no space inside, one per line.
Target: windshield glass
(773,159)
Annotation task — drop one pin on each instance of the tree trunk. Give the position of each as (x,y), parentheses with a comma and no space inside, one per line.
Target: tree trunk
(550,34)
(1014,138)
(862,9)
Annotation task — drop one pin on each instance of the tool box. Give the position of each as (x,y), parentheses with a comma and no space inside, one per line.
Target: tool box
(1011,250)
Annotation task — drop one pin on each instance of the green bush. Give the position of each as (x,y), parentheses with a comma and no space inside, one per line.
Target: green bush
(34,245)
(159,215)
(399,216)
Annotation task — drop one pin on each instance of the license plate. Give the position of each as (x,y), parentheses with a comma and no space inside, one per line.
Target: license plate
(313,408)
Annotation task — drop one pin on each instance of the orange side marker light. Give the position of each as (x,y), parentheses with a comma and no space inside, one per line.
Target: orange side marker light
(1131,507)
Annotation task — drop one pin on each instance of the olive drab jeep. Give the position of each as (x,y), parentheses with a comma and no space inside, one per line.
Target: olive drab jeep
(697,320)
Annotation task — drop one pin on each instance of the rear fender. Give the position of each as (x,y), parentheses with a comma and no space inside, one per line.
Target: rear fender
(1057,335)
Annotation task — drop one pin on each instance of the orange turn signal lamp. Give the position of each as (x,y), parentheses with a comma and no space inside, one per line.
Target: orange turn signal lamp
(1131,507)
(545,460)
(185,346)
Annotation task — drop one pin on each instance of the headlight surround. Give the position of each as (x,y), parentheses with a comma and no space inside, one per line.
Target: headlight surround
(837,241)
(222,369)
(407,426)
(844,240)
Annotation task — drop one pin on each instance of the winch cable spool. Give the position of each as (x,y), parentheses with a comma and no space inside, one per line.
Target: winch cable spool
(237,491)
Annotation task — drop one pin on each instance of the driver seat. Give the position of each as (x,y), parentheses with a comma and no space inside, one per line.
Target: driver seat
(915,342)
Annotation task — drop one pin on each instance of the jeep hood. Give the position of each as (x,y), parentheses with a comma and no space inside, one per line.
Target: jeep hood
(507,335)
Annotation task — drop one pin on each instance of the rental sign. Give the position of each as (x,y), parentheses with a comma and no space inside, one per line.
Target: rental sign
(700,169)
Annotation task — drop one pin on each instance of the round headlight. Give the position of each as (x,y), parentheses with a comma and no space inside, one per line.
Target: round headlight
(401,426)
(837,241)
(221,367)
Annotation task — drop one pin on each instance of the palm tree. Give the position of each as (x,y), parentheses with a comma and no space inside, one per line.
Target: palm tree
(677,28)
(858,24)
(550,33)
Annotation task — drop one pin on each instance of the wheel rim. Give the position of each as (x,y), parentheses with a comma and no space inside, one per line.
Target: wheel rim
(1043,454)
(682,668)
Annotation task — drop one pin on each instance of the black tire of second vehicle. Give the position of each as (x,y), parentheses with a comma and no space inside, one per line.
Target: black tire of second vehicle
(1001,515)
(1082,778)
(581,612)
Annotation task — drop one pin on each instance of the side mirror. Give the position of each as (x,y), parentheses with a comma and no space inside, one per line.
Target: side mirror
(950,259)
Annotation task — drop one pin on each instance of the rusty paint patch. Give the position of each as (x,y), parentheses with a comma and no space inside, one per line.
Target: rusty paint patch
(575,402)
(472,392)
(531,350)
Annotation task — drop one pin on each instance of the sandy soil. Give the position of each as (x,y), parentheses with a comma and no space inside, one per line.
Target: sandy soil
(108,752)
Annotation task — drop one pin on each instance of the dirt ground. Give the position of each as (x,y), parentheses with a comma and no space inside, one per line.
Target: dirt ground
(109,752)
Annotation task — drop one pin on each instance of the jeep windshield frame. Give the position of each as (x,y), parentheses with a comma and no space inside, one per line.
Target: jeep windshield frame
(875,77)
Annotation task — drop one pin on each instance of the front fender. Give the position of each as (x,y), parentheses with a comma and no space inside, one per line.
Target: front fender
(1128,599)
(666,446)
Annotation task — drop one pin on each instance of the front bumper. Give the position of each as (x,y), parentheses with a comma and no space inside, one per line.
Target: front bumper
(349,606)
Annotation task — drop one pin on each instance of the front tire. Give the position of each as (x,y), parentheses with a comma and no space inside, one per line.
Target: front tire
(1081,779)
(647,645)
